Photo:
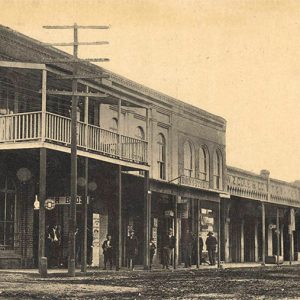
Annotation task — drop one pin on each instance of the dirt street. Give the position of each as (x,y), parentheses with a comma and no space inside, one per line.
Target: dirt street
(251,283)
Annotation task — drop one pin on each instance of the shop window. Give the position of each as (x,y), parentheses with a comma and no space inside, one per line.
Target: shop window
(218,170)
(161,143)
(203,164)
(7,214)
(188,159)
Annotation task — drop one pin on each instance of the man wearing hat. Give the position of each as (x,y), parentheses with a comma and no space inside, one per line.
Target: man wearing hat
(211,245)
(168,246)
(132,249)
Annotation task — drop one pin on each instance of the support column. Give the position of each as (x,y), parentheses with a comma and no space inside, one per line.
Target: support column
(119,249)
(119,129)
(242,241)
(44,105)
(263,232)
(197,233)
(277,235)
(226,240)
(147,221)
(290,230)
(175,231)
(42,224)
(72,215)
(84,219)
(219,233)
(281,241)
(256,241)
(270,242)
(86,117)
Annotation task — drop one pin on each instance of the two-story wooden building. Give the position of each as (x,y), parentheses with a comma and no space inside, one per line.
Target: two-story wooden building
(146,161)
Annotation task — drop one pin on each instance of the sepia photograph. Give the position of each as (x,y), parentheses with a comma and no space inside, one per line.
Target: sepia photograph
(149,149)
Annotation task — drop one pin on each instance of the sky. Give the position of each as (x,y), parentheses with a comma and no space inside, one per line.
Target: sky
(236,59)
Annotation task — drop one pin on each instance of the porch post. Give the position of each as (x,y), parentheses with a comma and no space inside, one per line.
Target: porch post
(84,219)
(242,241)
(42,225)
(44,106)
(263,232)
(281,241)
(147,221)
(219,232)
(119,218)
(119,129)
(197,233)
(290,230)
(86,117)
(175,231)
(277,234)
(256,241)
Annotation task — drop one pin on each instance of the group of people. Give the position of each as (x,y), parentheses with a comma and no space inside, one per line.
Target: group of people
(189,243)
(168,244)
(190,248)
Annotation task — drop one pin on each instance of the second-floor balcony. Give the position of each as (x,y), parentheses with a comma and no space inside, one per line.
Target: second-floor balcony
(54,128)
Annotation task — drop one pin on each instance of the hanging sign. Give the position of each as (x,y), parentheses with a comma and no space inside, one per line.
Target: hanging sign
(65,200)
(49,204)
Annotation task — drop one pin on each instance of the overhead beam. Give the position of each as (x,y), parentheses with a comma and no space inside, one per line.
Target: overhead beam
(103,89)
(22,65)
(78,94)
(79,43)
(77,26)
(72,60)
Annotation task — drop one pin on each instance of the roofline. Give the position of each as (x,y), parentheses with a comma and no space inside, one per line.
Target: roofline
(137,87)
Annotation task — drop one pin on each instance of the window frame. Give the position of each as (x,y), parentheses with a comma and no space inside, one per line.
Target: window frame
(188,171)
(162,156)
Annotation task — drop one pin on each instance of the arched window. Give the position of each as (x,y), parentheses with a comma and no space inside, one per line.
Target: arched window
(114,125)
(139,133)
(218,170)
(161,144)
(203,164)
(7,96)
(7,213)
(188,159)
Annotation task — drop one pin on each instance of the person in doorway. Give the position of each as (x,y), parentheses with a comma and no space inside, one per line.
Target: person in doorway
(211,245)
(187,242)
(54,238)
(200,249)
(168,246)
(108,251)
(152,247)
(132,249)
(78,244)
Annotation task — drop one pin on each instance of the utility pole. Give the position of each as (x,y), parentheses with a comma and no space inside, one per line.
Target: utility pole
(74,77)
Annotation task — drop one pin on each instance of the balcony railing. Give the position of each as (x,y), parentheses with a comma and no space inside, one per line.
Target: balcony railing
(28,126)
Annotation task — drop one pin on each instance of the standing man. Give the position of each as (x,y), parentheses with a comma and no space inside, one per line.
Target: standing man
(211,245)
(168,246)
(107,251)
(200,249)
(152,248)
(132,249)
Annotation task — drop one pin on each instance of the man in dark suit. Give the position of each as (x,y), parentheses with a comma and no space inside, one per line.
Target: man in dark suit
(211,245)
(132,249)
(107,251)
(169,243)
